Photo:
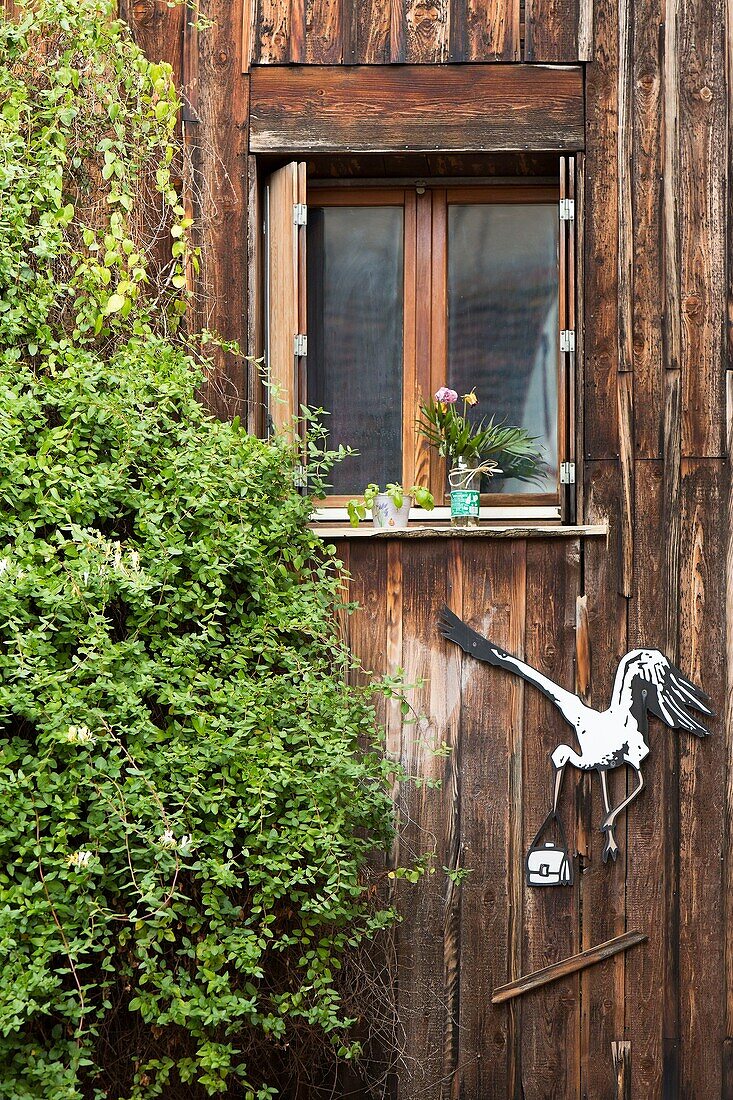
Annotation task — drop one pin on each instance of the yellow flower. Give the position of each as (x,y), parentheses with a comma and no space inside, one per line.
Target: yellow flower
(470,398)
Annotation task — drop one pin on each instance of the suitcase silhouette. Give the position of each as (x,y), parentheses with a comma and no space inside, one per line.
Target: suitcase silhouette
(549,864)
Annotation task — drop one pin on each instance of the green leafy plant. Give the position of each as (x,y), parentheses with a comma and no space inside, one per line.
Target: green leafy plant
(456,437)
(189,788)
(358,508)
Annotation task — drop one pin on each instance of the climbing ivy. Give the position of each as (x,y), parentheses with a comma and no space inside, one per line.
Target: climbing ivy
(185,810)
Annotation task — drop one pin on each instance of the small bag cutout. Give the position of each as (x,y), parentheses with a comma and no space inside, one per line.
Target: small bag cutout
(549,864)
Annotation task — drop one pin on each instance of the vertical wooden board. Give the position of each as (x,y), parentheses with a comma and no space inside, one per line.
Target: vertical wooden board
(427,31)
(600,238)
(651,828)
(648,257)
(283,293)
(255,305)
(702,780)
(158,30)
(703,165)
(728,853)
(368,588)
(550,1018)
(429,816)
(272,38)
(485,30)
(371,29)
(602,887)
(222,107)
(551,30)
(324,32)
(494,577)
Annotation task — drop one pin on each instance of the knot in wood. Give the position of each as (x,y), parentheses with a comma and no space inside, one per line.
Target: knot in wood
(692,305)
(706,93)
(143,12)
(647,81)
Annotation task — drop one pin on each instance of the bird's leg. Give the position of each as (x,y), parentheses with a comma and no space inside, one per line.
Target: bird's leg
(559,772)
(610,820)
(610,849)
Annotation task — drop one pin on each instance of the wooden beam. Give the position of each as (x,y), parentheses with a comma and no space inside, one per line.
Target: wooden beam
(567,966)
(387,109)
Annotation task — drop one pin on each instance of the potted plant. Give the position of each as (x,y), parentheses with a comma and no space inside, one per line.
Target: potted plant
(389,507)
(474,448)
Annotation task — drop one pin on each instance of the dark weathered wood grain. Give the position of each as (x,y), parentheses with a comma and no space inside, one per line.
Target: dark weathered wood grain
(484,30)
(324,32)
(272,43)
(702,163)
(601,239)
(371,30)
(602,889)
(550,916)
(429,818)
(651,827)
(217,141)
(427,30)
(702,780)
(491,842)
(551,30)
(645,170)
(581,961)
(390,109)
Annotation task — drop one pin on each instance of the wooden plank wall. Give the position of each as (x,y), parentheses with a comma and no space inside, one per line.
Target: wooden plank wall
(418,32)
(655,440)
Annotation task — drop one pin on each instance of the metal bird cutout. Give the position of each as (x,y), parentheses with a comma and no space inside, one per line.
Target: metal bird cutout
(646,682)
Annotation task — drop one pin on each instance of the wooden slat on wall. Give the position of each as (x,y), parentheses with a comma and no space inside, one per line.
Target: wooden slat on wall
(419,32)
(485,30)
(603,888)
(429,817)
(491,841)
(702,780)
(390,109)
(601,433)
(551,917)
(551,29)
(703,164)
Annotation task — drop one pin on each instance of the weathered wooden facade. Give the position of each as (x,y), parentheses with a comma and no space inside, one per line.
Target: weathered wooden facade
(278,80)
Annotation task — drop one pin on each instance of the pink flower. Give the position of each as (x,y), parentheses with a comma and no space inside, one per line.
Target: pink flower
(446,396)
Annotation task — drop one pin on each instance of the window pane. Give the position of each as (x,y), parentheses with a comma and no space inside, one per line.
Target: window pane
(354,357)
(503,319)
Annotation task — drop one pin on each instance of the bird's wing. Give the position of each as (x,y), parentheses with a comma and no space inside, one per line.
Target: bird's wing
(659,686)
(455,630)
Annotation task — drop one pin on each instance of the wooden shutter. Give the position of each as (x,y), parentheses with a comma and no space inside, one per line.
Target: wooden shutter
(285,303)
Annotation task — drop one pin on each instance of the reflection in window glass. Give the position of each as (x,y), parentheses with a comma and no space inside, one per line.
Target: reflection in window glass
(503,319)
(354,358)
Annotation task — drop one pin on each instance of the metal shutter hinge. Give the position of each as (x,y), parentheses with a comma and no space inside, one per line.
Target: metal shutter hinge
(300,213)
(567,210)
(567,473)
(567,339)
(300,345)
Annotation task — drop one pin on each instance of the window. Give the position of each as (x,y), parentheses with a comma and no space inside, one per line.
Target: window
(403,289)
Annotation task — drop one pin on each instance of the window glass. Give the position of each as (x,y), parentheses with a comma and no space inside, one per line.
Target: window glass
(354,362)
(503,319)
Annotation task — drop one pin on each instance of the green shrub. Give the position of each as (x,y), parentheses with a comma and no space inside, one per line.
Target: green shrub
(184,809)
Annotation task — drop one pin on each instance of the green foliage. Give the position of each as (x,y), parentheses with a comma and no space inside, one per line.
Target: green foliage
(184,807)
(357,509)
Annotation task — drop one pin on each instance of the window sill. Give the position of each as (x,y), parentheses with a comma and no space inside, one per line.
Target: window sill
(484,530)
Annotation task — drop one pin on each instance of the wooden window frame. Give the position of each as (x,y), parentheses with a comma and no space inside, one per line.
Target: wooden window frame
(425,328)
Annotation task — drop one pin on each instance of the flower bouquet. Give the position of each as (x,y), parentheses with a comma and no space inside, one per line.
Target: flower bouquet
(475,448)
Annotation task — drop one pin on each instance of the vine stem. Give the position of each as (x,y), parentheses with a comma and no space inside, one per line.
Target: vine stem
(57,922)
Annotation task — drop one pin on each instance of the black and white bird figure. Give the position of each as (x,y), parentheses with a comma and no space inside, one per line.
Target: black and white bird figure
(646,682)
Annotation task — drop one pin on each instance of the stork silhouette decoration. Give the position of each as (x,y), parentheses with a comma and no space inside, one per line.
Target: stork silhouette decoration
(646,682)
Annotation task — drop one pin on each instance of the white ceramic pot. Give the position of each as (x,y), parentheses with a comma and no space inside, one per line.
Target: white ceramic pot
(385,514)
